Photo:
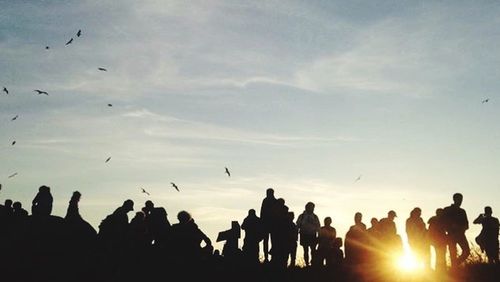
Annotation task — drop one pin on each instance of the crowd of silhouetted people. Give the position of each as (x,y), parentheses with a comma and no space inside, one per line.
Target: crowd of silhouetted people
(44,247)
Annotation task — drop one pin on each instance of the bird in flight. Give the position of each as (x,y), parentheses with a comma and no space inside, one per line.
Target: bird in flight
(14,118)
(102,69)
(12,175)
(107,160)
(70,41)
(110,105)
(41,92)
(13,142)
(144,191)
(485,100)
(175,186)
(358,179)
(227,172)
(47,47)
(79,33)
(5,90)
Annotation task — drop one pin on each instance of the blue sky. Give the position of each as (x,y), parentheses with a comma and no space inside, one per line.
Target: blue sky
(301,96)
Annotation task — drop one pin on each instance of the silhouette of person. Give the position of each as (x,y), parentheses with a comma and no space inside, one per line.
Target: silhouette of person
(416,232)
(73,212)
(42,203)
(374,244)
(355,241)
(187,238)
(391,240)
(252,226)
(266,215)
(326,243)
(157,223)
(230,248)
(456,223)
(18,210)
(114,229)
(437,237)
(309,225)
(488,238)
(139,234)
(292,236)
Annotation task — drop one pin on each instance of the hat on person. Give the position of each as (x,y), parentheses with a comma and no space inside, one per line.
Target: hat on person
(391,212)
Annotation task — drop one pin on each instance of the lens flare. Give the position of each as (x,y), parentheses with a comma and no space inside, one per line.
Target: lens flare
(409,263)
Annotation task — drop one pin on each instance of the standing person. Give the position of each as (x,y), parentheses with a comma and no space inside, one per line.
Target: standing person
(326,243)
(309,225)
(488,238)
(252,226)
(292,237)
(389,237)
(266,216)
(437,238)
(42,203)
(456,223)
(356,241)
(416,232)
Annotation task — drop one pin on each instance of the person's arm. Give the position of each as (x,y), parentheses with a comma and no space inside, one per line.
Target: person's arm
(479,219)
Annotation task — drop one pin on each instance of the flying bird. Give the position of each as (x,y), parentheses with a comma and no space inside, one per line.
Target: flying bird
(14,118)
(79,33)
(102,69)
(107,160)
(5,90)
(175,186)
(485,100)
(70,41)
(13,142)
(12,175)
(47,47)
(227,172)
(110,105)
(144,191)
(41,92)
(358,179)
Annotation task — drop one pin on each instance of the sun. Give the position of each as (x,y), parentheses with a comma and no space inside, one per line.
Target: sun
(409,263)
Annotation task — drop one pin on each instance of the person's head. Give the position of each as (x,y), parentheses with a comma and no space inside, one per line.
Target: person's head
(416,212)
(291,215)
(270,192)
(252,212)
(488,210)
(128,205)
(374,221)
(235,225)
(391,215)
(139,215)
(8,203)
(457,199)
(358,217)
(44,189)
(439,212)
(76,196)
(17,205)
(310,207)
(149,205)
(327,221)
(184,217)
(280,202)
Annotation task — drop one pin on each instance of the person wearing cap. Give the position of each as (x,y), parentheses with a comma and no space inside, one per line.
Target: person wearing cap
(388,232)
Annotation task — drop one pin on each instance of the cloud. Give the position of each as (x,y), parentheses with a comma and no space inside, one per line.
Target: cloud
(169,127)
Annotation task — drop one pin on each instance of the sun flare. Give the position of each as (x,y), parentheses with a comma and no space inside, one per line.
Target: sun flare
(408,263)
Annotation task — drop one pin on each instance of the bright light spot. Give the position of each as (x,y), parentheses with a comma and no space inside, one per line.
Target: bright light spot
(409,263)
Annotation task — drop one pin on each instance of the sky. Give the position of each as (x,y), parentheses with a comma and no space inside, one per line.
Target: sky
(300,96)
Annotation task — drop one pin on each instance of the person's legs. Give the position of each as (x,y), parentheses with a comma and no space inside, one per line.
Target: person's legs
(464,245)
(265,243)
(306,254)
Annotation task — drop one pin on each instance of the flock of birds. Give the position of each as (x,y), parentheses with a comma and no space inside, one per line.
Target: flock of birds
(43,92)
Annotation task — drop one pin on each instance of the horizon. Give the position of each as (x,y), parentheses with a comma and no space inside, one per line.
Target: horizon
(300,97)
